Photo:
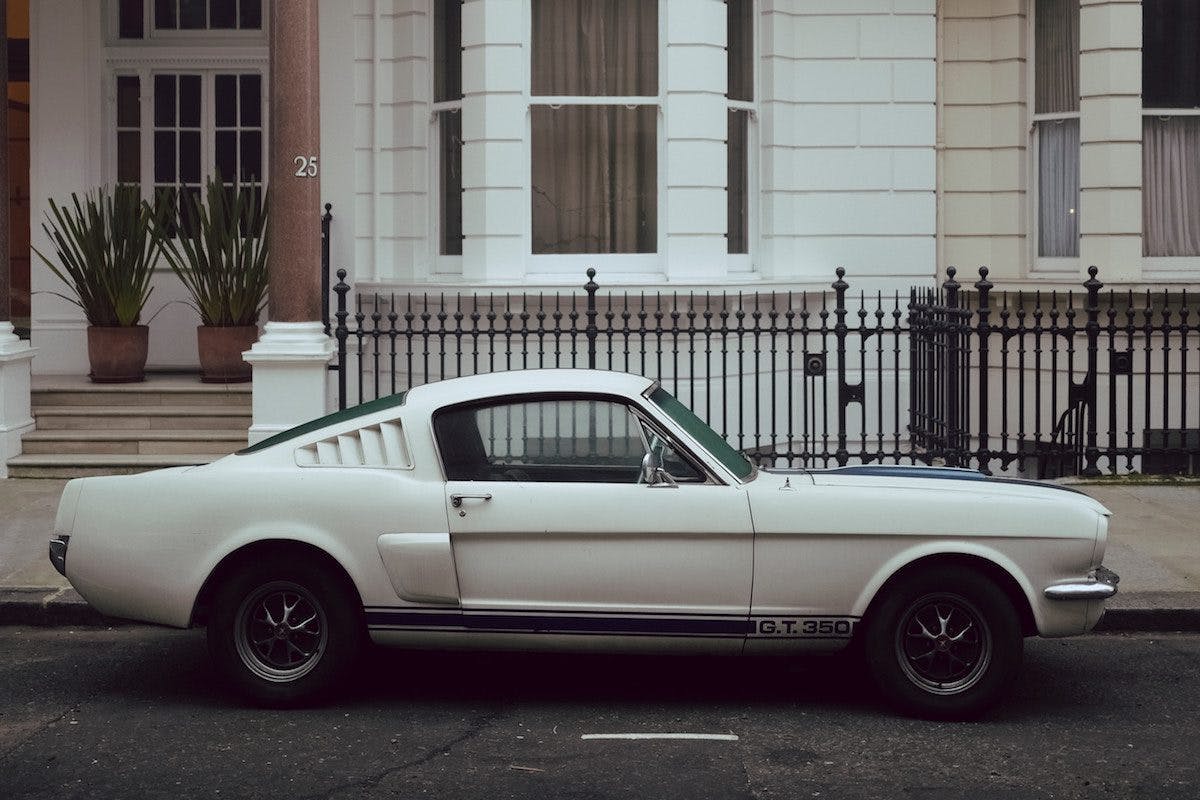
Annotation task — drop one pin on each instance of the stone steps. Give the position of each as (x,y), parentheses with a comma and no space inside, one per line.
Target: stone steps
(85,429)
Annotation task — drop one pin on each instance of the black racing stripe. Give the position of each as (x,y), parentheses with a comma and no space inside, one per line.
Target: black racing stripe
(646,634)
(563,613)
(934,473)
(546,623)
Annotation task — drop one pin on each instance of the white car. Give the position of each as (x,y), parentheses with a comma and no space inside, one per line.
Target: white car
(585,510)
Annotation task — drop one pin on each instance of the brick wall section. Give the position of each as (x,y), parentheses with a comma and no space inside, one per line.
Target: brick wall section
(847,135)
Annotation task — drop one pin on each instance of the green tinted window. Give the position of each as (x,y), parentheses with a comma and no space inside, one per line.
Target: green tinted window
(712,441)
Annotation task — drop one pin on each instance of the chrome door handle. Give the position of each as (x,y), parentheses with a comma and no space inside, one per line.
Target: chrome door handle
(456,500)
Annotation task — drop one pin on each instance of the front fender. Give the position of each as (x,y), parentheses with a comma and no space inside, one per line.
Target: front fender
(1061,619)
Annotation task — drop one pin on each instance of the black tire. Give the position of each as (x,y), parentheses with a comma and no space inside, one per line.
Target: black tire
(944,643)
(282,634)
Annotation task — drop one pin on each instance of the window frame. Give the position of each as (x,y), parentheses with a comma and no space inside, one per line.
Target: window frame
(1163,267)
(641,414)
(743,264)
(441,265)
(627,266)
(1167,267)
(145,71)
(1049,266)
(205,51)
(167,37)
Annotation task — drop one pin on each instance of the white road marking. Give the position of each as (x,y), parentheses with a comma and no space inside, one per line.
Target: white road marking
(716,737)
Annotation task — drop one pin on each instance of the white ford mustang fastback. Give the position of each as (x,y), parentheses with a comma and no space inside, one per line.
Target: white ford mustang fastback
(581,509)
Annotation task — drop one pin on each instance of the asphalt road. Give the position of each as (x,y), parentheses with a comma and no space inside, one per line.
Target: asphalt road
(134,712)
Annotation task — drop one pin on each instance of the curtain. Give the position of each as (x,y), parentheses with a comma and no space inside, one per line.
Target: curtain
(1056,56)
(450,191)
(595,47)
(595,167)
(1171,186)
(738,182)
(1058,188)
(595,178)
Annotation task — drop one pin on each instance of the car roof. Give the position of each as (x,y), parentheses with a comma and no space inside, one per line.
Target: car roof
(427,398)
(432,396)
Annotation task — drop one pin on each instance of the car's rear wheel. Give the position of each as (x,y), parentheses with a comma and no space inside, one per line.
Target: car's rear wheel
(282,634)
(944,643)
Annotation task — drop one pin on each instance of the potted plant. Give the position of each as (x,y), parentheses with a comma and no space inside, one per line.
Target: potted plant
(105,253)
(219,251)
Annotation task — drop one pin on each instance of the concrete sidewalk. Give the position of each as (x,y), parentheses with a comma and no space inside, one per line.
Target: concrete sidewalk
(1154,545)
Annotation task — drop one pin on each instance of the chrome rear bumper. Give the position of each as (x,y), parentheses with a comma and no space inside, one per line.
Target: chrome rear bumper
(1101,584)
(58,553)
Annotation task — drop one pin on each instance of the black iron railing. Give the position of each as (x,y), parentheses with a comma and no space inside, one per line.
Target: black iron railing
(1041,384)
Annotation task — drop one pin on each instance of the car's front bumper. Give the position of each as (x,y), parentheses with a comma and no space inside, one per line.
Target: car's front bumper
(1100,584)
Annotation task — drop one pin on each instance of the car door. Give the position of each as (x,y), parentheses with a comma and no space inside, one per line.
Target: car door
(553,531)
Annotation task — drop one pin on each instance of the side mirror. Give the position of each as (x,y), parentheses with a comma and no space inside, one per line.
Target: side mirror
(653,473)
(651,466)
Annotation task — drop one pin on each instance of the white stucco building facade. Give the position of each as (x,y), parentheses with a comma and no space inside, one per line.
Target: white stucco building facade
(754,145)
(840,151)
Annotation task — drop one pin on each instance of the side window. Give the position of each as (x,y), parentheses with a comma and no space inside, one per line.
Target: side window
(573,441)
(676,465)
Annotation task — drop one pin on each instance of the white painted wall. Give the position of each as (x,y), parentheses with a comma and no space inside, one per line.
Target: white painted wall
(845,163)
(65,157)
(848,126)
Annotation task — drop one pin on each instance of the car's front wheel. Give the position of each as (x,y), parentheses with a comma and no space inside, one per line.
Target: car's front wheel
(282,634)
(944,643)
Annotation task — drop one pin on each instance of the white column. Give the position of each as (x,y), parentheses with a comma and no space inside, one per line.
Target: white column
(695,206)
(15,417)
(1110,134)
(495,161)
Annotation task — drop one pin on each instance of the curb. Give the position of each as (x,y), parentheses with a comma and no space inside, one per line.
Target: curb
(65,608)
(51,608)
(1150,620)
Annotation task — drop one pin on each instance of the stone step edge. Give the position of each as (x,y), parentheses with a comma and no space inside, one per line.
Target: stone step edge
(136,434)
(112,459)
(141,411)
(42,386)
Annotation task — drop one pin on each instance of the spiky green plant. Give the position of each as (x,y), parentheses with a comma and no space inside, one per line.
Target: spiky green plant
(218,249)
(106,253)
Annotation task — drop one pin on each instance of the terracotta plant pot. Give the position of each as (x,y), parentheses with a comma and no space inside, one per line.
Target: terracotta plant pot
(221,351)
(117,354)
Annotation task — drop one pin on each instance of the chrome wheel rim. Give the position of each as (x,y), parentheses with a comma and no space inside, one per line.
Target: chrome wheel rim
(281,631)
(943,644)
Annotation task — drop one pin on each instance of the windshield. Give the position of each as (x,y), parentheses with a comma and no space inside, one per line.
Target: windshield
(709,439)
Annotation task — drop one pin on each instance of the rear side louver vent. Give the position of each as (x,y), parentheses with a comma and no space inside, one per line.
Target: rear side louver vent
(379,446)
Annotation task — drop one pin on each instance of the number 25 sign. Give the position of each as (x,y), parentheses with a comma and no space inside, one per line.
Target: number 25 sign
(306,166)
